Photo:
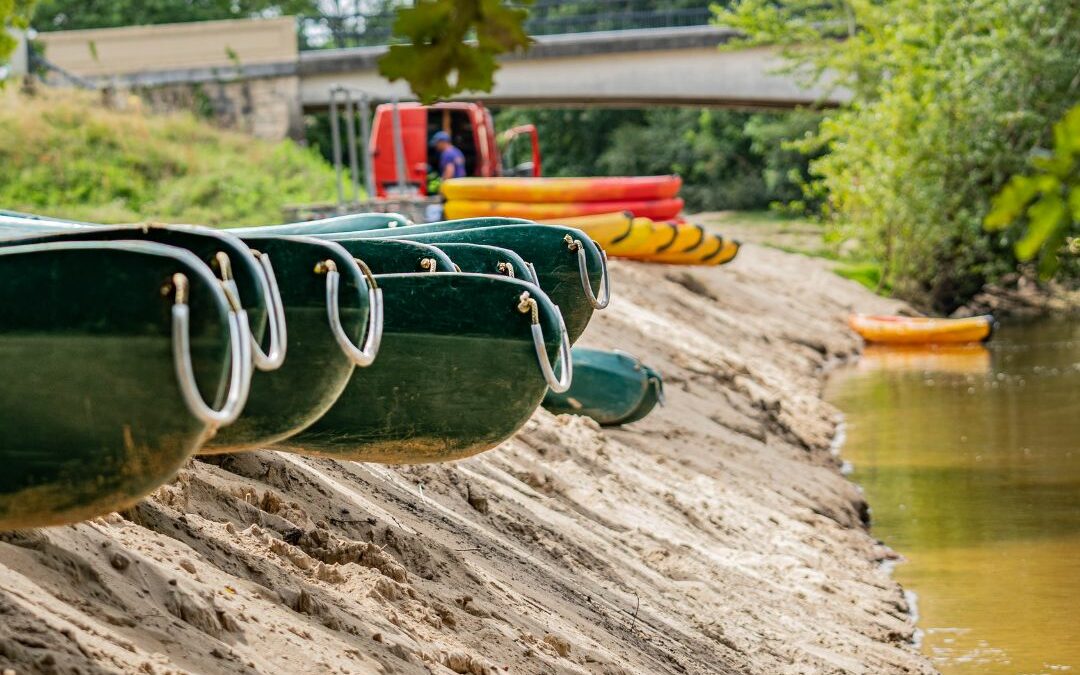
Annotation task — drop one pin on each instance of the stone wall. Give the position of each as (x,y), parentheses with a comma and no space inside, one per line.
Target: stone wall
(266,107)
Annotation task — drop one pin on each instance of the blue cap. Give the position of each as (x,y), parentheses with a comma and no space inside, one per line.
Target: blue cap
(439,136)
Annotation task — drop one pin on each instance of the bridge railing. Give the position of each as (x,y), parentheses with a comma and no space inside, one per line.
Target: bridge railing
(546,17)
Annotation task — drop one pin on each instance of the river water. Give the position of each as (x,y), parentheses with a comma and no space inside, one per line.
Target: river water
(970,460)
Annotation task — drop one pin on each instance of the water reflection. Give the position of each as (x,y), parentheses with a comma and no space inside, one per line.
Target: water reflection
(971,464)
(971,359)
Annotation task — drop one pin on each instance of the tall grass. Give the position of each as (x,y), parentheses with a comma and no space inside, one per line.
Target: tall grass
(63,154)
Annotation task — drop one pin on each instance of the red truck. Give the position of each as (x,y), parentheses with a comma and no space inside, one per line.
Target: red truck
(471,129)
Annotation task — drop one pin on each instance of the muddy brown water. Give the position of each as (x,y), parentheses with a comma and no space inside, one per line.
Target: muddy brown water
(970,460)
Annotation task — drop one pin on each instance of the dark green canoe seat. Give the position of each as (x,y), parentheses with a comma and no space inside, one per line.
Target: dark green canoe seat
(484,259)
(390,256)
(108,352)
(465,361)
(248,278)
(329,307)
(610,387)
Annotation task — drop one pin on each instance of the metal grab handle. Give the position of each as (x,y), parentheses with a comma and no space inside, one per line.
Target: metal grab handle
(275,319)
(583,268)
(527,304)
(275,309)
(364,356)
(239,359)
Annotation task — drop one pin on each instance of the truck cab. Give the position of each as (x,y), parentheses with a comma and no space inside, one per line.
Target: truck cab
(471,130)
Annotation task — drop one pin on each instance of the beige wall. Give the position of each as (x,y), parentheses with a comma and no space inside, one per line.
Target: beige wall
(205,44)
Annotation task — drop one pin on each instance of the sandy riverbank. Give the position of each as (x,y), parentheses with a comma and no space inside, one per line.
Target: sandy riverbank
(715,536)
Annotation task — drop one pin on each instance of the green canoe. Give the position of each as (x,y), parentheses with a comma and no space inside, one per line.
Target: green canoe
(108,352)
(249,279)
(390,256)
(329,307)
(484,259)
(610,387)
(569,266)
(348,223)
(465,361)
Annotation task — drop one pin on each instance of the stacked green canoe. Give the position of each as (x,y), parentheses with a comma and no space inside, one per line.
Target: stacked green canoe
(362,337)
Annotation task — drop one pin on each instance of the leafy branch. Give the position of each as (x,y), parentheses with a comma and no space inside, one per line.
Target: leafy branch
(1047,199)
(453,45)
(13,14)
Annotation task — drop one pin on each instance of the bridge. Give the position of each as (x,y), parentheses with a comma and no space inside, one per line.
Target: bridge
(253,75)
(640,67)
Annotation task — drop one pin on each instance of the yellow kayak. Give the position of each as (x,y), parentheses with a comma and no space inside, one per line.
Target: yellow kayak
(708,246)
(603,228)
(638,239)
(660,234)
(915,330)
(686,237)
(728,250)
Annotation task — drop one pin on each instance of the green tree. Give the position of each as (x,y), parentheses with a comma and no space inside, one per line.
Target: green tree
(1047,201)
(947,100)
(13,14)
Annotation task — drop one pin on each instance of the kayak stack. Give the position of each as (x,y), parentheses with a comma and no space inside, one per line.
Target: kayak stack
(635,217)
(673,242)
(128,349)
(654,197)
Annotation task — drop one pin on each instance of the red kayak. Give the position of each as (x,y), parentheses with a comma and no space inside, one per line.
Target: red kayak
(656,209)
(547,190)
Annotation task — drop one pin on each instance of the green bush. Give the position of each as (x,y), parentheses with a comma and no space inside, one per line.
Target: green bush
(948,100)
(65,156)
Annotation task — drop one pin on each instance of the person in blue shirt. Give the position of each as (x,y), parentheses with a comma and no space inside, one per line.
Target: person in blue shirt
(451,161)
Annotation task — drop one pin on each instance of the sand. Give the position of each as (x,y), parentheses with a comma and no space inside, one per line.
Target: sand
(716,536)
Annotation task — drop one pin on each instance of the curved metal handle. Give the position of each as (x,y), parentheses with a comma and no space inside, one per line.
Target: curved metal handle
(361,356)
(583,268)
(275,319)
(527,304)
(239,359)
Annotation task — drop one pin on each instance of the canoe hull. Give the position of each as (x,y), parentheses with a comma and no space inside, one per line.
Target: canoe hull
(612,388)
(285,401)
(918,330)
(91,416)
(457,373)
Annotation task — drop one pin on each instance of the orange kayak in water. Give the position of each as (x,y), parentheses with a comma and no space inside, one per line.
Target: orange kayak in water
(657,209)
(547,190)
(920,330)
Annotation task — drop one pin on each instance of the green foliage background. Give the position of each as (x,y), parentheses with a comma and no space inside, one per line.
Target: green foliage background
(63,155)
(727,159)
(949,99)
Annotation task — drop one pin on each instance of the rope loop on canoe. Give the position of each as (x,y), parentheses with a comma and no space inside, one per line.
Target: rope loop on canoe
(575,245)
(275,319)
(429,264)
(558,384)
(505,268)
(239,359)
(365,355)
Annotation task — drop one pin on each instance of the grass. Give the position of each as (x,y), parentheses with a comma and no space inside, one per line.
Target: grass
(64,155)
